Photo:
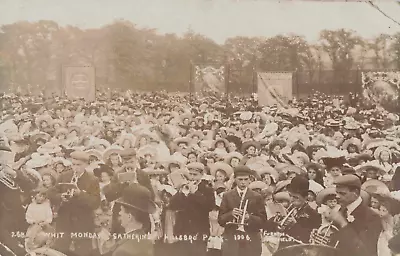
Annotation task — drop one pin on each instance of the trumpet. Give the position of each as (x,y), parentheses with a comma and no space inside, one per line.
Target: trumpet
(190,185)
(241,224)
(282,220)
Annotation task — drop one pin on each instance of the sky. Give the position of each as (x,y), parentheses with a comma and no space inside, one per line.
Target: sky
(217,19)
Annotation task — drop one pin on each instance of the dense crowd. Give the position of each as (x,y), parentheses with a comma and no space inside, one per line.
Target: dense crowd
(68,166)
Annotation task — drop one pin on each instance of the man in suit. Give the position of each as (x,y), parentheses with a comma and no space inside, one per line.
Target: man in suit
(193,203)
(76,212)
(136,205)
(304,219)
(359,227)
(12,213)
(237,242)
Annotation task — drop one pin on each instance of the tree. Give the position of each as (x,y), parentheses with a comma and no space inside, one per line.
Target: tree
(380,46)
(395,50)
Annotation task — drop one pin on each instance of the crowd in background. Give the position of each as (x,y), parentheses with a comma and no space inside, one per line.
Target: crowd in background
(179,145)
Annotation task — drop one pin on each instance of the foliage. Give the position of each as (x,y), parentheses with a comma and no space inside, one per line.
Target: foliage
(32,55)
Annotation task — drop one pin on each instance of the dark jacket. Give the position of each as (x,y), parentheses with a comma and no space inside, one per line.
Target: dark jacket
(255,208)
(77,215)
(192,211)
(360,237)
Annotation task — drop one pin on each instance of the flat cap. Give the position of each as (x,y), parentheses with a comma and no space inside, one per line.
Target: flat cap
(348,180)
(242,170)
(80,155)
(196,166)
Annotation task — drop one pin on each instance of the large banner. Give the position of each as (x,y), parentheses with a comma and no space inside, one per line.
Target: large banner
(209,79)
(381,88)
(274,88)
(79,82)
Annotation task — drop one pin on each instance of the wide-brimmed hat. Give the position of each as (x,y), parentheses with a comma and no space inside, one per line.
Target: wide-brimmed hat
(248,144)
(282,196)
(49,148)
(375,187)
(226,143)
(370,165)
(111,151)
(258,185)
(62,160)
(221,166)
(199,134)
(95,153)
(274,143)
(353,141)
(137,197)
(37,160)
(103,168)
(43,118)
(184,140)
(324,193)
(147,150)
(60,131)
(58,121)
(231,155)
(379,151)
(41,135)
(281,185)
(268,170)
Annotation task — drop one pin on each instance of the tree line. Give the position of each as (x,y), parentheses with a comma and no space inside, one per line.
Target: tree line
(126,56)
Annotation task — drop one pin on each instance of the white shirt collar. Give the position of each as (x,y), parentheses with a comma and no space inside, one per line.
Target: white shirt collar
(351,207)
(241,191)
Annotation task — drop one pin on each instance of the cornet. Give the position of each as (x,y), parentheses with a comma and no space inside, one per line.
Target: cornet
(282,220)
(240,221)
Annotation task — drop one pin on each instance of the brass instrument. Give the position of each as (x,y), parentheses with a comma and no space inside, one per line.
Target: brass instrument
(6,178)
(281,220)
(321,236)
(241,224)
(190,184)
(239,221)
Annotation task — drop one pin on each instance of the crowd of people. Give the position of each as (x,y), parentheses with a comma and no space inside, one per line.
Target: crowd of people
(166,174)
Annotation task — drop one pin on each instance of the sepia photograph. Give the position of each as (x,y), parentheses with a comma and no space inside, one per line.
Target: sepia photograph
(199,128)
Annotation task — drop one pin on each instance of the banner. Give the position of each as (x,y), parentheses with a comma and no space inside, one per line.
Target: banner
(381,88)
(79,82)
(274,88)
(209,79)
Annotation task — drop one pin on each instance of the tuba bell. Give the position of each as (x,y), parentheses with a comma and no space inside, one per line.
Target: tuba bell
(322,235)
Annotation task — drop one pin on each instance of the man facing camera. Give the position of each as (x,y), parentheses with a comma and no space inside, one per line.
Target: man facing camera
(242,206)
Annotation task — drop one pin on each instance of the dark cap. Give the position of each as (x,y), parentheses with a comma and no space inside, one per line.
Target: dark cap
(242,170)
(348,180)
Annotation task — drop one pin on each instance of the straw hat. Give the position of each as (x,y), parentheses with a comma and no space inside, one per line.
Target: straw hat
(375,187)
(221,166)
(324,193)
(379,151)
(258,185)
(111,151)
(228,157)
(268,170)
(226,143)
(370,165)
(353,141)
(49,148)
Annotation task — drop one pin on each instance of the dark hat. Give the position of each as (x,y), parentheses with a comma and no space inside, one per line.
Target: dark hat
(349,180)
(299,185)
(103,168)
(138,197)
(334,162)
(242,170)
